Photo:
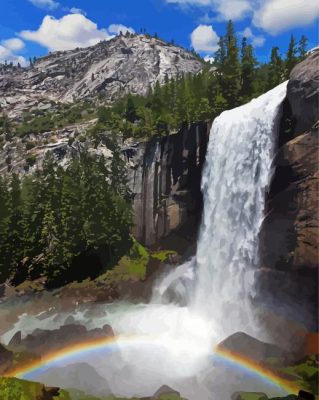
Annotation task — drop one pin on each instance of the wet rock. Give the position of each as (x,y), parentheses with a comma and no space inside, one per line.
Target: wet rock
(164,391)
(43,341)
(251,348)
(16,339)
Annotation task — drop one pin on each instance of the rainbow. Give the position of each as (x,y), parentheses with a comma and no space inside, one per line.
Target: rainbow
(110,344)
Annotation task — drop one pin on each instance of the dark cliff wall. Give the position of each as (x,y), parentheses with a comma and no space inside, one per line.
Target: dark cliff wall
(289,236)
(165,177)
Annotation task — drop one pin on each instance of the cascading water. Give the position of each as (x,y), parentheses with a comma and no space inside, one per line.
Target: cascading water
(235,179)
(214,288)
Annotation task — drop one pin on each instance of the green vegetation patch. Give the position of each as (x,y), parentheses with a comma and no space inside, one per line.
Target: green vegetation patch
(306,374)
(17,389)
(163,255)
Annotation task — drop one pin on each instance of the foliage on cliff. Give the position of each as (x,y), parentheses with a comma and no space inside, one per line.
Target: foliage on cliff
(234,78)
(74,221)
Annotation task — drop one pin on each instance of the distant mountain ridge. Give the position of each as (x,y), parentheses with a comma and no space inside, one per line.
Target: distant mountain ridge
(125,64)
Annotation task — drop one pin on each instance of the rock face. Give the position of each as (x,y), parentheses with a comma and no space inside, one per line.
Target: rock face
(303,93)
(122,65)
(165,176)
(289,237)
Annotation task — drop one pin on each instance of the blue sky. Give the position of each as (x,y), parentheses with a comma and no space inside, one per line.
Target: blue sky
(34,27)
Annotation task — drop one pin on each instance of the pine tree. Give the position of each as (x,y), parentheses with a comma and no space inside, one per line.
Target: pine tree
(231,69)
(276,70)
(15,233)
(291,59)
(5,211)
(130,110)
(302,47)
(157,103)
(220,55)
(248,64)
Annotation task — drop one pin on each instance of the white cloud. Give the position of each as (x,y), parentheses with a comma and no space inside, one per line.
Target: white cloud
(117,28)
(233,9)
(256,40)
(8,55)
(275,16)
(13,44)
(71,31)
(68,32)
(46,4)
(225,9)
(75,10)
(204,38)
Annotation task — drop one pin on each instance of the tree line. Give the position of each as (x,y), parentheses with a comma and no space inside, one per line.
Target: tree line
(234,78)
(64,223)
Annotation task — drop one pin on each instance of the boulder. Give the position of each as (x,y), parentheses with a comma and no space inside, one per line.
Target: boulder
(164,391)
(251,348)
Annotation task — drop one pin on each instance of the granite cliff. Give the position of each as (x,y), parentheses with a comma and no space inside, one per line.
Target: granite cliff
(289,237)
(124,64)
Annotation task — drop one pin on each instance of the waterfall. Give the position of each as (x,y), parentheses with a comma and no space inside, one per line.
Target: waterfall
(234,183)
(208,298)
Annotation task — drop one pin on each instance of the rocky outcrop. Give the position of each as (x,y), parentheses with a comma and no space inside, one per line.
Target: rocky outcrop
(165,392)
(288,278)
(125,64)
(43,341)
(165,177)
(241,343)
